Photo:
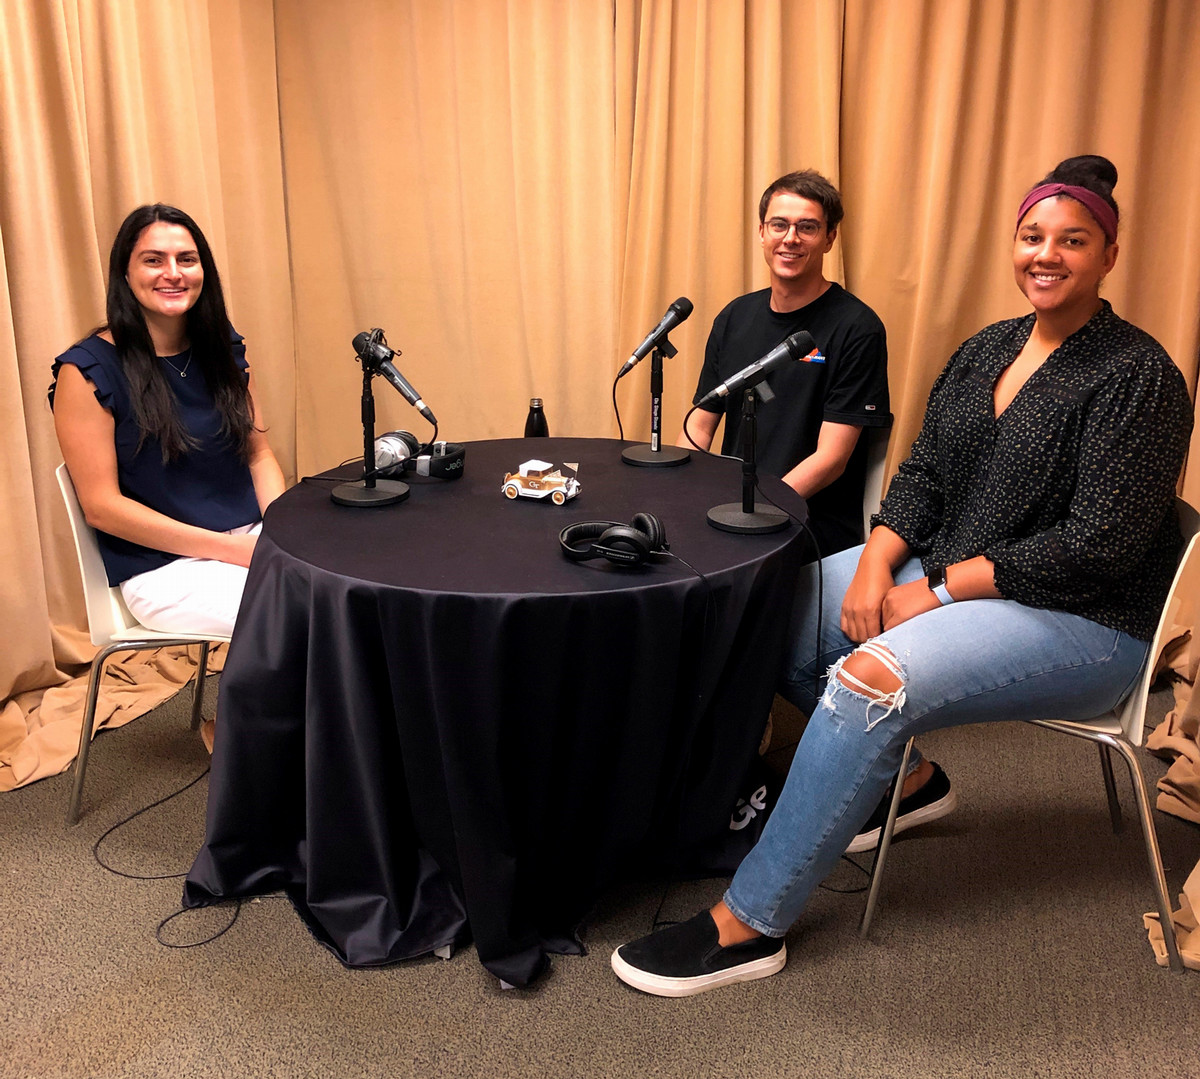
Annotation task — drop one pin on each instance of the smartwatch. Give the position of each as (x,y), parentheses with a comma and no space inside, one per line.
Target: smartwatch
(937,584)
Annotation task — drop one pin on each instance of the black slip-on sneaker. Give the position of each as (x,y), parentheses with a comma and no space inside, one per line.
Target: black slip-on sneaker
(932,800)
(685,959)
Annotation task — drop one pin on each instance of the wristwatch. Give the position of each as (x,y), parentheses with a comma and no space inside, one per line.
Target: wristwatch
(937,584)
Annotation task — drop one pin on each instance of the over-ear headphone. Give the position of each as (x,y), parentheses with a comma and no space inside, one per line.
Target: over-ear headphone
(397,452)
(625,545)
(393,447)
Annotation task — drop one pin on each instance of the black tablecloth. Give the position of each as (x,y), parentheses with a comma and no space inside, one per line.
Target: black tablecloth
(434,727)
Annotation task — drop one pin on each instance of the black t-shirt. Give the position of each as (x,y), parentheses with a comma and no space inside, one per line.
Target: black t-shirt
(849,387)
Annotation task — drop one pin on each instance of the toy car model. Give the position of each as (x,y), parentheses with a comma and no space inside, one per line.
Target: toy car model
(540,479)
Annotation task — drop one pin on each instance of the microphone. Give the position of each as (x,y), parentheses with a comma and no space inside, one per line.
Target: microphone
(378,357)
(676,313)
(800,346)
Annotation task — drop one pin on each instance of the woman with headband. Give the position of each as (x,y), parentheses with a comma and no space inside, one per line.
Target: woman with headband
(1016,569)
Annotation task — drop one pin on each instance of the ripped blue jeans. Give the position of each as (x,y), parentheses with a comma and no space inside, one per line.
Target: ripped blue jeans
(968,662)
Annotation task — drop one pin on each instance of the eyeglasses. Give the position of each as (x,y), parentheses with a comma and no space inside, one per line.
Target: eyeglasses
(779,227)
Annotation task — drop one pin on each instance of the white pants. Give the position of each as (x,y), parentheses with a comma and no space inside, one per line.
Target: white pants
(189,595)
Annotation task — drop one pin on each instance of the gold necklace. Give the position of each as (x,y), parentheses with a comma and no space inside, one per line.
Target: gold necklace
(180,371)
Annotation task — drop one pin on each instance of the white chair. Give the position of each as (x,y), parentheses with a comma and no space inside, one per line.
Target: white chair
(112,629)
(877,447)
(1121,729)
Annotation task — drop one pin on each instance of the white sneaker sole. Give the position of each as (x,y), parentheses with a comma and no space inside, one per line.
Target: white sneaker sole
(661,986)
(870,840)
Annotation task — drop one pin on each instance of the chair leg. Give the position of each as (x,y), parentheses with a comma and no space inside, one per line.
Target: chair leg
(198,689)
(885,841)
(1110,787)
(1153,854)
(89,721)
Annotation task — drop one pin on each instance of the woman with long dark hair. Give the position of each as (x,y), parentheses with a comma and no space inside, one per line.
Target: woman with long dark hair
(158,427)
(1016,569)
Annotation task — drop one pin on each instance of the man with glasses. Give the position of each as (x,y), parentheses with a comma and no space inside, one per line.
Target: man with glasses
(809,434)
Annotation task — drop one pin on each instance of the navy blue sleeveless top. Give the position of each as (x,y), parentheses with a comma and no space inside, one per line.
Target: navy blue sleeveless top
(209,486)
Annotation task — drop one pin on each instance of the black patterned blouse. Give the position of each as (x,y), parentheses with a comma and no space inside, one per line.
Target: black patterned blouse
(1070,492)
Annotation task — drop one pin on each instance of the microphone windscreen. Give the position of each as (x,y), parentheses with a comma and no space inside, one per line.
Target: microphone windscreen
(800,344)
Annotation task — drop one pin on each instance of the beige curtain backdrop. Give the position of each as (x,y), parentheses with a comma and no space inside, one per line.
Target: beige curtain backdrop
(449,179)
(515,190)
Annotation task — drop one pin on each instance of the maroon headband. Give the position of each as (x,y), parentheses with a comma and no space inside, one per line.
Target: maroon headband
(1104,214)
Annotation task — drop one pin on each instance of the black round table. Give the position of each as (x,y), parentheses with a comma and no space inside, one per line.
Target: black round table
(434,727)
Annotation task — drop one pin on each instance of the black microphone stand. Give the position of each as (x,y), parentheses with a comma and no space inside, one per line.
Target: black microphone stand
(369,491)
(742,517)
(656,455)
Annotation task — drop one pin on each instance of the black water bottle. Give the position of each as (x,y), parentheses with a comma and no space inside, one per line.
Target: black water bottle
(535,423)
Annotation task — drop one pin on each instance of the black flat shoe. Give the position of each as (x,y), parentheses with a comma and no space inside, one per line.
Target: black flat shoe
(685,959)
(933,799)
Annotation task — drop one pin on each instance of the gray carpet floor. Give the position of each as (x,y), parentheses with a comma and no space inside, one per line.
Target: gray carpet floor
(1009,943)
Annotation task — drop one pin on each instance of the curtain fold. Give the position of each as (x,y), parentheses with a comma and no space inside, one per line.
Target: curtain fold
(516,189)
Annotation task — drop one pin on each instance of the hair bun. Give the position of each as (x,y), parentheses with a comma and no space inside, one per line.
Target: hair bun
(1087,170)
